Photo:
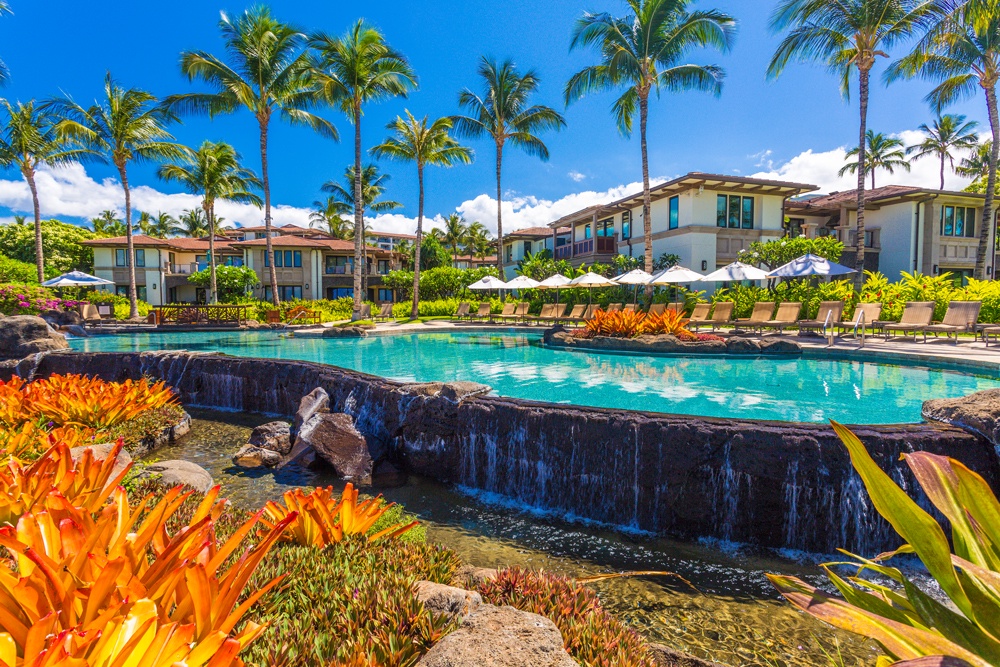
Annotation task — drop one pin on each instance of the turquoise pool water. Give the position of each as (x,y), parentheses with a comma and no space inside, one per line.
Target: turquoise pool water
(517,365)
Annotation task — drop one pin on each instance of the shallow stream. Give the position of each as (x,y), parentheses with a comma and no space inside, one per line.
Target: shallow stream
(733,617)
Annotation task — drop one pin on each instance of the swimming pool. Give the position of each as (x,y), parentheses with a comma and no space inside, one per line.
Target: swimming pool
(517,365)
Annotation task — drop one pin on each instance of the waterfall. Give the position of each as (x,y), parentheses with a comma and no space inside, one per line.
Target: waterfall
(726,501)
(27,371)
(792,497)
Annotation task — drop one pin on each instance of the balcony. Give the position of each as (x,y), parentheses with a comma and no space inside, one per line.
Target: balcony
(187,268)
(588,248)
(349,271)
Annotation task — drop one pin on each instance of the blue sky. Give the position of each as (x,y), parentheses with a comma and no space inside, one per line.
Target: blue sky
(756,126)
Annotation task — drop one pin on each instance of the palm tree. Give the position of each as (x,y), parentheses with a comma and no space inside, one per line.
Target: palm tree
(425,144)
(504,114)
(124,127)
(848,36)
(214,172)
(4,72)
(329,215)
(144,223)
(161,225)
(267,71)
(947,133)
(354,70)
(28,140)
(108,224)
(644,53)
(477,240)
(976,165)
(962,54)
(883,153)
(455,233)
(192,223)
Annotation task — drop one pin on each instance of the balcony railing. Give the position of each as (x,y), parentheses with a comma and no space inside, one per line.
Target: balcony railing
(349,271)
(601,245)
(188,268)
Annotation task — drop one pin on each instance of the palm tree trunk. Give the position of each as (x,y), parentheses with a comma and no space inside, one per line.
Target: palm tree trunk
(359,221)
(29,175)
(647,221)
(942,171)
(210,217)
(266,183)
(415,312)
(133,301)
(986,230)
(499,211)
(859,265)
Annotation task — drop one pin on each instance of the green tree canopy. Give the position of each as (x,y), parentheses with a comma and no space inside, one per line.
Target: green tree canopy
(773,254)
(432,254)
(232,282)
(60,241)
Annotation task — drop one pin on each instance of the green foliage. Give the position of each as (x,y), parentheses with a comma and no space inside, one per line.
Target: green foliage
(540,266)
(31,300)
(444,307)
(119,302)
(625,263)
(666,261)
(907,622)
(773,254)
(232,282)
(16,271)
(592,636)
(443,282)
(433,255)
(329,310)
(147,425)
(60,243)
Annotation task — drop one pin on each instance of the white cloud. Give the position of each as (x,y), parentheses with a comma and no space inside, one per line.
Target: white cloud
(576,176)
(820,169)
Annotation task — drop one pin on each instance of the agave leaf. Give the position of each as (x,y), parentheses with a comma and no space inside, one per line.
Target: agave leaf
(978,499)
(869,602)
(394,531)
(955,627)
(934,661)
(899,640)
(916,526)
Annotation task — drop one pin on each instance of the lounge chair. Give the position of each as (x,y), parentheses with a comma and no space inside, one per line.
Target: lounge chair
(657,308)
(88,312)
(630,307)
(961,317)
(788,315)
(865,317)
(485,308)
(575,315)
(722,315)
(508,311)
(106,311)
(544,315)
(557,313)
(916,316)
(462,312)
(699,316)
(366,312)
(830,314)
(678,307)
(384,313)
(613,308)
(762,313)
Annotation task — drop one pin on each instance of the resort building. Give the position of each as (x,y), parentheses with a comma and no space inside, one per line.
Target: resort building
(471,262)
(531,241)
(906,228)
(260,231)
(389,241)
(705,219)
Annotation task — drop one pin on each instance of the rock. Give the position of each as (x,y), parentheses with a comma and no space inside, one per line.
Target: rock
(335,440)
(387,475)
(75,330)
(664,656)
(501,637)
(313,403)
(103,451)
(346,332)
(447,600)
(275,436)
(171,473)
(977,413)
(472,576)
(24,335)
(62,318)
(251,456)
(456,392)
(779,346)
(740,345)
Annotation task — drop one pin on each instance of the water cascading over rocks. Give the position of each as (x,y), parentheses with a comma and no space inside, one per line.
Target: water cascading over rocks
(772,484)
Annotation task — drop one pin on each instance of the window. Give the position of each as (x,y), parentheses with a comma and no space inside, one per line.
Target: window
(385,295)
(958,221)
(527,248)
(338,265)
(627,225)
(734,212)
(285,292)
(288,259)
(721,207)
(119,256)
(340,293)
(121,290)
(793,227)
(140,258)
(383,267)
(586,231)
(748,213)
(606,227)
(267,259)
(140,292)
(675,203)
(509,252)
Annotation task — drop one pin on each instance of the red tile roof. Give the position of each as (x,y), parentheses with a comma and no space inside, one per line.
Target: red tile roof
(177,243)
(849,198)
(282,241)
(533,232)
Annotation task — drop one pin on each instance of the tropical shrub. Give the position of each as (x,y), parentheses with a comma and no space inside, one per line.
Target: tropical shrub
(779,252)
(443,282)
(232,282)
(620,324)
(670,322)
(60,245)
(119,302)
(14,271)
(319,519)
(592,636)
(907,622)
(31,300)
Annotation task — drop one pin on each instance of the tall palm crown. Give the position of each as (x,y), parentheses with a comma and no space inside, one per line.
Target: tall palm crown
(108,224)
(642,53)
(945,135)
(848,36)
(353,70)
(425,144)
(125,126)
(883,152)
(161,225)
(373,186)
(214,172)
(455,232)
(477,240)
(504,112)
(961,53)
(266,71)
(329,215)
(28,140)
(976,165)
(191,223)
(4,72)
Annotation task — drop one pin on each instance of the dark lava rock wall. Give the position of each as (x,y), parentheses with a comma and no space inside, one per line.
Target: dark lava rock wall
(773,484)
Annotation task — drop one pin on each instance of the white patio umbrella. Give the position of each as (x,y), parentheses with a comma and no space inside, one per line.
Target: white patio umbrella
(677,275)
(635,277)
(489,283)
(734,273)
(523,282)
(556,282)
(591,280)
(810,265)
(76,279)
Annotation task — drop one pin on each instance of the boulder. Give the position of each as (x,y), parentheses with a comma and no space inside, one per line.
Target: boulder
(75,330)
(664,656)
(778,346)
(977,413)
(24,335)
(252,456)
(345,332)
(275,436)
(456,392)
(740,345)
(313,403)
(171,473)
(62,318)
(472,576)
(501,637)
(447,600)
(103,451)
(335,440)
